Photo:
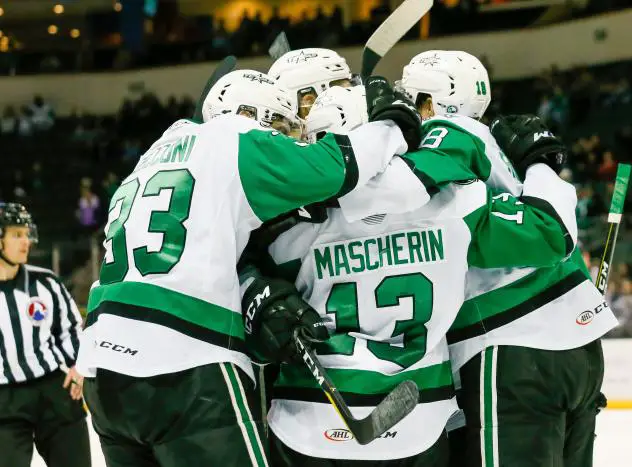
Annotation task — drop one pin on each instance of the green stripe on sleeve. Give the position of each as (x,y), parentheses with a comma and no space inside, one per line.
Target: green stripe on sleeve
(279,174)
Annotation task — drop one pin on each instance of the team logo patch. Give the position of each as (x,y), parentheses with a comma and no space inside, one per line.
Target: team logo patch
(301,57)
(338,435)
(258,77)
(37,311)
(585,318)
(452,109)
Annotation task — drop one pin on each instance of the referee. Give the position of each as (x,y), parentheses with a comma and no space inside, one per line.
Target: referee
(39,325)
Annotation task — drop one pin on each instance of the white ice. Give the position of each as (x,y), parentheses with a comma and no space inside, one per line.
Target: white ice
(612,447)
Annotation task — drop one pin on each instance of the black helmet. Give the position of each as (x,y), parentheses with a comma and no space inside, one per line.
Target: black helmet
(16,214)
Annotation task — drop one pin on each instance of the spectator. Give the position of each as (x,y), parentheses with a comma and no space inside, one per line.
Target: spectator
(220,38)
(87,207)
(19,192)
(559,109)
(9,122)
(25,124)
(110,185)
(608,167)
(42,115)
(544,110)
(37,181)
(131,151)
(618,93)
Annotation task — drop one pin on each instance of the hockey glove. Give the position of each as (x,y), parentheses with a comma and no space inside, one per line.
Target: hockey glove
(273,310)
(526,140)
(384,103)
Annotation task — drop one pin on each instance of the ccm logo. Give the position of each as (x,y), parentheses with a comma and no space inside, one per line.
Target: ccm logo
(338,435)
(585,318)
(118,348)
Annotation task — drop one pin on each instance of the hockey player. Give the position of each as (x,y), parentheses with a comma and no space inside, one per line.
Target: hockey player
(308,72)
(526,340)
(388,287)
(167,379)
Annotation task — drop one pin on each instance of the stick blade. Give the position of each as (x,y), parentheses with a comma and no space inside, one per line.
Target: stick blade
(396,405)
(392,30)
(226,66)
(280,46)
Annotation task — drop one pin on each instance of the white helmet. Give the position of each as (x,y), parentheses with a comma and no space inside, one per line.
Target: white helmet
(337,110)
(308,72)
(253,94)
(457,82)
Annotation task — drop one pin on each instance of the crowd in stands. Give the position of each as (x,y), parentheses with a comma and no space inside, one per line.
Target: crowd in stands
(176,39)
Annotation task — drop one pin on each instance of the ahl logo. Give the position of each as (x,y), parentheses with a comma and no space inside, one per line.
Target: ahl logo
(338,435)
(585,318)
(452,109)
(37,311)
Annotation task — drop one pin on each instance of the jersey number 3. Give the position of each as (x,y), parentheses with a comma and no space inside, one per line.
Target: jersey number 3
(169,222)
(410,333)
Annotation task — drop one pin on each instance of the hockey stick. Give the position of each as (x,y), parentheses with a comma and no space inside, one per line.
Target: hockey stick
(393,408)
(226,66)
(390,31)
(614,219)
(279,47)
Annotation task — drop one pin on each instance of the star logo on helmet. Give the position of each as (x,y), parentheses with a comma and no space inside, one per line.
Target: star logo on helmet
(259,77)
(430,61)
(301,57)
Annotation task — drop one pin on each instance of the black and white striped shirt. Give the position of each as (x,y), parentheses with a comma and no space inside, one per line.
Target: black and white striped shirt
(39,325)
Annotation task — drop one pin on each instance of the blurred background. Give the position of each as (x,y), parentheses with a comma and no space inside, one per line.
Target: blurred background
(87,85)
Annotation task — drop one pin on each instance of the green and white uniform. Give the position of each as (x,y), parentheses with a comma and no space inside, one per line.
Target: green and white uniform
(389,288)
(553,308)
(179,223)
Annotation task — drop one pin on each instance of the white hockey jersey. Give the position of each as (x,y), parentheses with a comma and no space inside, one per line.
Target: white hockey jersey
(389,288)
(552,308)
(167,298)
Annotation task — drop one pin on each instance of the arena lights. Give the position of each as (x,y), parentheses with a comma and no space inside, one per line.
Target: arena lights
(75,33)
(118,6)
(1,11)
(52,29)
(58,9)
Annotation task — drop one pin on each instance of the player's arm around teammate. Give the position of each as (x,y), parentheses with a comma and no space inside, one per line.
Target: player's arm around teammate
(164,326)
(39,326)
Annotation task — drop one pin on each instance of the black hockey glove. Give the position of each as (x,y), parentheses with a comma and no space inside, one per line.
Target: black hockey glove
(526,140)
(384,103)
(273,310)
